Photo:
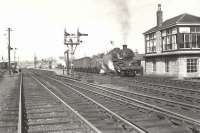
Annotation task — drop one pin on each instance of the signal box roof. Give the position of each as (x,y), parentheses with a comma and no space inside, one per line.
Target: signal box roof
(180,19)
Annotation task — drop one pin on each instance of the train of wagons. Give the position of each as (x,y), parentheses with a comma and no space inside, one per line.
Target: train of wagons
(119,61)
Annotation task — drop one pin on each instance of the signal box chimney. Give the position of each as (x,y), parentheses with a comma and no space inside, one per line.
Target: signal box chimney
(159,16)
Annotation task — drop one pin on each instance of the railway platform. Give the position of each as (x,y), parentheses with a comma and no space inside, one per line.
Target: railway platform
(9,99)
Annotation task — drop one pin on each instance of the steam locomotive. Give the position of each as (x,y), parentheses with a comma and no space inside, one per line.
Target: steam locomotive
(119,61)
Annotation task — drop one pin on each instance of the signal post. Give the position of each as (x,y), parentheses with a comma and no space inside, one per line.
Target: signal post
(72,41)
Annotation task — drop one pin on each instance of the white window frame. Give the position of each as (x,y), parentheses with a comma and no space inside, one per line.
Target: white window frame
(192,66)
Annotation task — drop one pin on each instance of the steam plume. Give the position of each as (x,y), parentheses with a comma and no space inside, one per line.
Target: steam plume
(123,16)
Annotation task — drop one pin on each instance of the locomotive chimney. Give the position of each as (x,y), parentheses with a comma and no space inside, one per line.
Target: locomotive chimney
(159,16)
(124,46)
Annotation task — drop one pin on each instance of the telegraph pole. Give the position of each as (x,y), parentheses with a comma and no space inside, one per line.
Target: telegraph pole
(9,48)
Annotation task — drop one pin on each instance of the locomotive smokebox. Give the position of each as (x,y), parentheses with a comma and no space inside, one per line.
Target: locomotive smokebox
(124,47)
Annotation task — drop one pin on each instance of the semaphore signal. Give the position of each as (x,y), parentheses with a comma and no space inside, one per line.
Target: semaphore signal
(72,41)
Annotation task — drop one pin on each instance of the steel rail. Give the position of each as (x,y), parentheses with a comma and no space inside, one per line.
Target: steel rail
(136,127)
(20,115)
(153,107)
(170,91)
(144,95)
(172,87)
(138,94)
(169,86)
(154,84)
(74,111)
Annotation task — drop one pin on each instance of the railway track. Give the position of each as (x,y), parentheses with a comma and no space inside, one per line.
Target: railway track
(180,94)
(97,114)
(160,81)
(173,93)
(170,82)
(189,110)
(43,111)
(188,96)
(151,118)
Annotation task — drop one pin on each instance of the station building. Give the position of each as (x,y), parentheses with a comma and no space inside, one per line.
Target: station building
(172,47)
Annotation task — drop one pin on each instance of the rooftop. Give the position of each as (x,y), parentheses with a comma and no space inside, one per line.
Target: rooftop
(180,19)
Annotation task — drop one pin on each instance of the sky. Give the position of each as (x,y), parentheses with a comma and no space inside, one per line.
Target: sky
(38,25)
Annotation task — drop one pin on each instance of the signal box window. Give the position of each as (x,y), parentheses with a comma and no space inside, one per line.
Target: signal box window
(192,65)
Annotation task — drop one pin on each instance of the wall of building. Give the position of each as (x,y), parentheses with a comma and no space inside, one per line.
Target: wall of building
(177,66)
(148,67)
(161,66)
(173,67)
(182,67)
(143,65)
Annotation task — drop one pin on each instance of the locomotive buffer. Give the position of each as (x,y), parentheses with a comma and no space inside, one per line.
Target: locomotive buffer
(72,41)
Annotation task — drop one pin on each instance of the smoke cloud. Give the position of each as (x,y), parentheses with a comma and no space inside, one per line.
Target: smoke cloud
(123,16)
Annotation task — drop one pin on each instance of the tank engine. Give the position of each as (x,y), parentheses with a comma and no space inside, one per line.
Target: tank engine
(120,61)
